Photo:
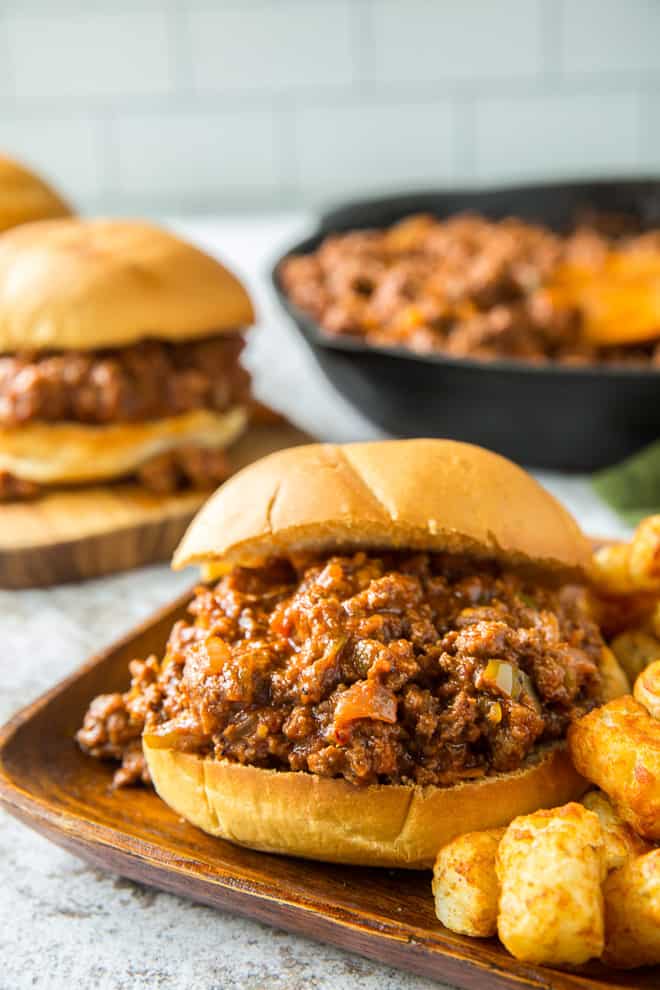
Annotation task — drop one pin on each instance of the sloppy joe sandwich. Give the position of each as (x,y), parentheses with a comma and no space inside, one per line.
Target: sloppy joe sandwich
(392,642)
(25,197)
(119,358)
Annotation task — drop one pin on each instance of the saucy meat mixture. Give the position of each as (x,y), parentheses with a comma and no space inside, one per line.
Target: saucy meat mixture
(466,287)
(148,380)
(379,668)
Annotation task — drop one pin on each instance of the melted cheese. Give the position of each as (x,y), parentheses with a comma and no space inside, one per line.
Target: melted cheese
(58,453)
(619,299)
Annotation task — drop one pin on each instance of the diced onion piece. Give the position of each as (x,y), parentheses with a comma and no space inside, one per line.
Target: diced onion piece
(365,699)
(502,675)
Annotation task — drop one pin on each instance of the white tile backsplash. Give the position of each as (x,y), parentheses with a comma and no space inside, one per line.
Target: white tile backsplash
(78,57)
(601,36)
(562,135)
(368,147)
(649,156)
(261,45)
(69,150)
(212,104)
(425,41)
(197,159)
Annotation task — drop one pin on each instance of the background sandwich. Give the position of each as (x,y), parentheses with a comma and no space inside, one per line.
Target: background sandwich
(401,635)
(119,357)
(24,197)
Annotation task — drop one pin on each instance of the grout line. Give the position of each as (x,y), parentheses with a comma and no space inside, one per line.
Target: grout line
(7,76)
(361,41)
(181,49)
(552,33)
(645,127)
(109,157)
(77,10)
(287,149)
(465,139)
(366,92)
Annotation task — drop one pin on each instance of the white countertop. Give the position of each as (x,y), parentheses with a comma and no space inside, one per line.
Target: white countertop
(65,925)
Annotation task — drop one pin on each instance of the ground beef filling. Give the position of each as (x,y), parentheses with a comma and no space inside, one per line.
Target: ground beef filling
(149,380)
(467,287)
(389,668)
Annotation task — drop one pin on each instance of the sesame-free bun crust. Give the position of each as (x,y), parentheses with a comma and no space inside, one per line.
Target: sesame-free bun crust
(90,284)
(24,197)
(424,494)
(300,814)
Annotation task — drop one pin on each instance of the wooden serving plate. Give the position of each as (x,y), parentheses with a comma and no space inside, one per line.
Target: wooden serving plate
(82,533)
(386,915)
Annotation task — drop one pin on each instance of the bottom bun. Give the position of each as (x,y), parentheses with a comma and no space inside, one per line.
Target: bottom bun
(390,825)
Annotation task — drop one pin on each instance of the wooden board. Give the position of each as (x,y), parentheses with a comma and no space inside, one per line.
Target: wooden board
(383,914)
(82,533)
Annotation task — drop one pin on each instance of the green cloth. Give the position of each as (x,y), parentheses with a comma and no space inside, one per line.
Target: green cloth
(632,488)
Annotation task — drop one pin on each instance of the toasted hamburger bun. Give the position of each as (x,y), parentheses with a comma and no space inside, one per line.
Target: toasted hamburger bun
(24,197)
(422,494)
(74,453)
(392,825)
(87,284)
(427,494)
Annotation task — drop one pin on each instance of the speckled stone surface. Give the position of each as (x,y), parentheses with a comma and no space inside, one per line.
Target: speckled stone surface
(64,925)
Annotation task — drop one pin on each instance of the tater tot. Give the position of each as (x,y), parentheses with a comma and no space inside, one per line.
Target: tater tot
(635,650)
(620,842)
(647,689)
(613,676)
(632,913)
(550,867)
(612,569)
(654,620)
(465,884)
(644,560)
(618,613)
(617,747)
(627,568)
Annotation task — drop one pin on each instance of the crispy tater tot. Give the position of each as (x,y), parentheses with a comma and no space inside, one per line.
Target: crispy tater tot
(620,842)
(627,568)
(647,689)
(617,613)
(465,884)
(550,866)
(654,620)
(614,678)
(632,913)
(635,650)
(617,747)
(644,560)
(612,569)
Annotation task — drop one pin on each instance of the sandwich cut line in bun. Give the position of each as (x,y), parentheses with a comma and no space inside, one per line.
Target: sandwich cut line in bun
(25,197)
(418,494)
(422,495)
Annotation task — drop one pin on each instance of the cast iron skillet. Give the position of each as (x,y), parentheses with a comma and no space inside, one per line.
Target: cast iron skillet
(572,418)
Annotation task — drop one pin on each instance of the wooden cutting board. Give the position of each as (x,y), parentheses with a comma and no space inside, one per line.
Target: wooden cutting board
(82,533)
(387,915)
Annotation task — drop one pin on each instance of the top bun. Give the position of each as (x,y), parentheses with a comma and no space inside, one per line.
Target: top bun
(84,284)
(423,494)
(24,197)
